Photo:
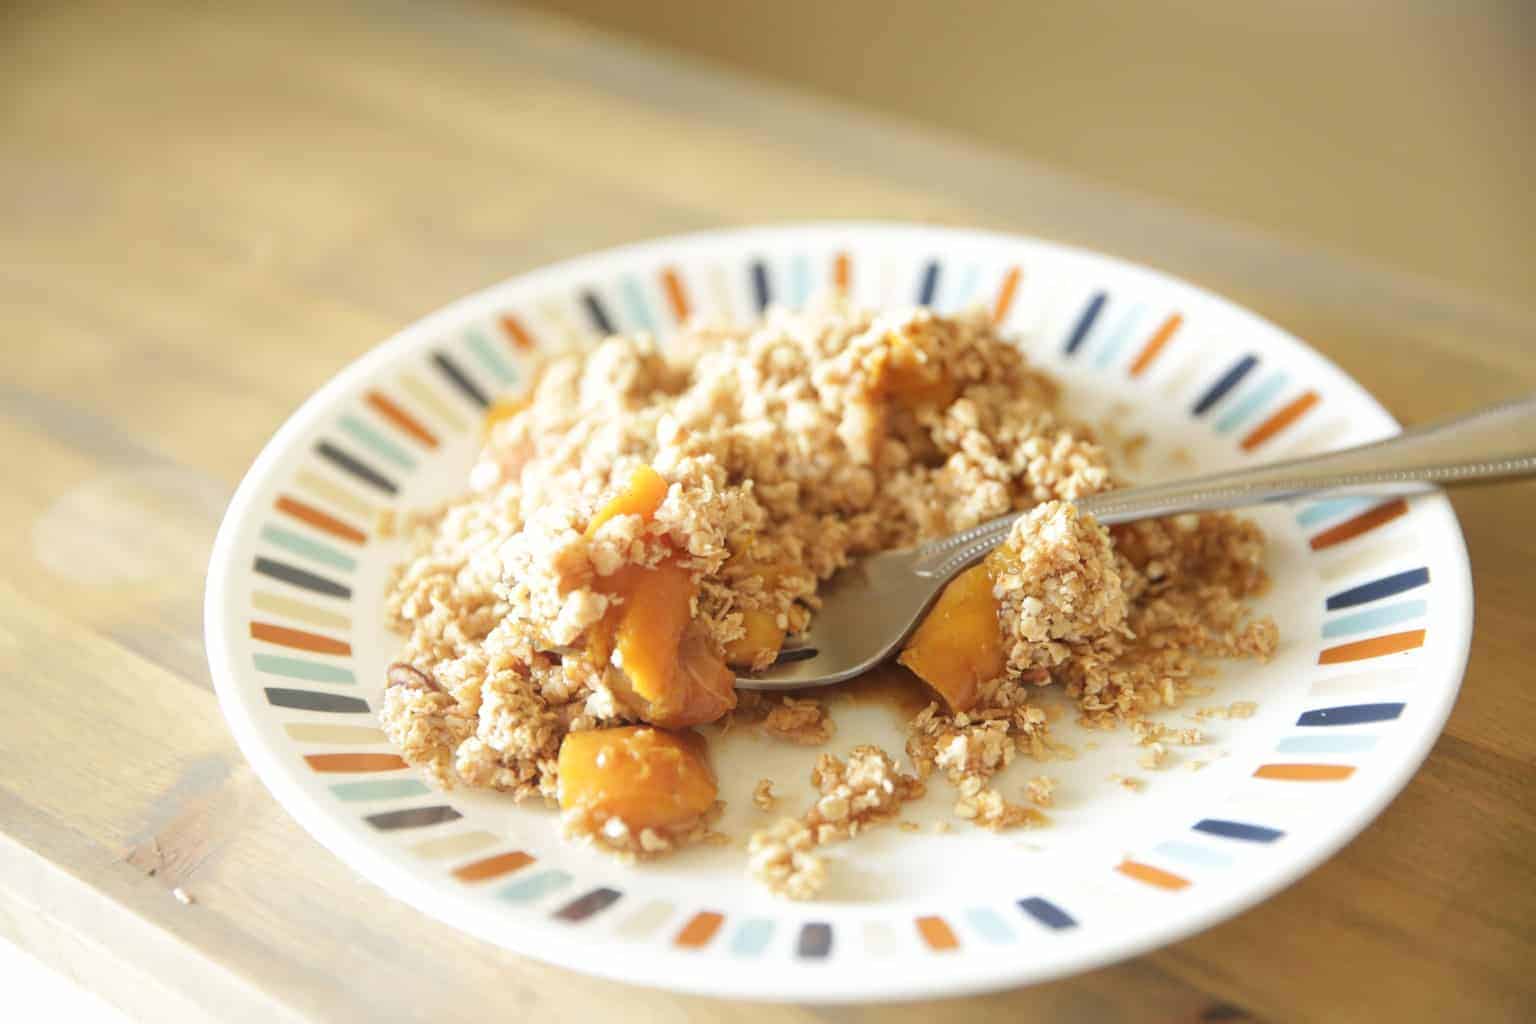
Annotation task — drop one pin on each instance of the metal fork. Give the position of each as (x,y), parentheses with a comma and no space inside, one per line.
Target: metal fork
(871,606)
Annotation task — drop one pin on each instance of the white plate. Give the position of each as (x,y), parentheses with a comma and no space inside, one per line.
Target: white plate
(1373,600)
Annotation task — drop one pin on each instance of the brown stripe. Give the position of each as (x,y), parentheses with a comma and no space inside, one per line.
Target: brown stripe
(320,520)
(517,332)
(1151,875)
(1375,647)
(1151,349)
(937,934)
(1005,295)
(675,294)
(1305,772)
(492,867)
(842,272)
(400,418)
(1368,520)
(701,927)
(298,639)
(1290,413)
(354,762)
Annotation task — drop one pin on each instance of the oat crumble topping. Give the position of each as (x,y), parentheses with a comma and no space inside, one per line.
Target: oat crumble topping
(782,452)
(862,792)
(1041,790)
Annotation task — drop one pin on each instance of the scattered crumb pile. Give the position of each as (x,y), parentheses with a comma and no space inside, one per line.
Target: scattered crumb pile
(865,791)
(786,450)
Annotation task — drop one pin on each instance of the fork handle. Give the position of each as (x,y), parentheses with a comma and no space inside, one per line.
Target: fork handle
(1491,444)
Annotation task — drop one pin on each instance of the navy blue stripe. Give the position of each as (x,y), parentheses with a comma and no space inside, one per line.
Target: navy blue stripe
(760,285)
(301,578)
(1351,714)
(460,379)
(583,907)
(413,817)
(929,286)
(1047,913)
(815,941)
(1085,322)
(1225,383)
(597,314)
(1378,589)
(354,466)
(1237,830)
(310,700)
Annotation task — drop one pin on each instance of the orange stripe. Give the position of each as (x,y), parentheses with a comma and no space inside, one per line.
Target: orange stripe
(1155,345)
(517,332)
(1375,647)
(675,294)
(1151,875)
(699,929)
(354,762)
(299,639)
(842,272)
(1005,295)
(937,934)
(492,867)
(320,520)
(1305,772)
(1290,413)
(1368,520)
(400,418)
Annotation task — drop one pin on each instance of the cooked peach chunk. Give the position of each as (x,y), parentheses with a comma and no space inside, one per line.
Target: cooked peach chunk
(504,409)
(760,644)
(913,377)
(642,496)
(671,674)
(959,645)
(703,689)
(657,608)
(647,778)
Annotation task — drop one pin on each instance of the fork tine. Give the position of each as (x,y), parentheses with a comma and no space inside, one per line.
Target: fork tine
(789,655)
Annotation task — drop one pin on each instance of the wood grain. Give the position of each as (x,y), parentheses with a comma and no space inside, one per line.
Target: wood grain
(210,211)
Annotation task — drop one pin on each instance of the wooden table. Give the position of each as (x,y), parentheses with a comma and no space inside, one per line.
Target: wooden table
(208,212)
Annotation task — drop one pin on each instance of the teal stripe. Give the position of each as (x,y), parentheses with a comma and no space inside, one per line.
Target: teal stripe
(966,288)
(799,280)
(379,789)
(751,936)
(1252,402)
(535,887)
(634,302)
(1190,853)
(1318,511)
(1374,618)
(1117,338)
(989,925)
(306,546)
(491,358)
(298,668)
(1345,743)
(376,441)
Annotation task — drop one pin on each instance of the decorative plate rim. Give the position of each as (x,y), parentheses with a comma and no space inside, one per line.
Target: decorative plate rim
(814,983)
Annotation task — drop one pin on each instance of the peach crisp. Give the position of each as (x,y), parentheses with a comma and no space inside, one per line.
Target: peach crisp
(646,521)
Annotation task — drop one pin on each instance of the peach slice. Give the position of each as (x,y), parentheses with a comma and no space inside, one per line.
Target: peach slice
(912,380)
(669,672)
(647,778)
(760,644)
(642,496)
(670,675)
(504,409)
(959,645)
